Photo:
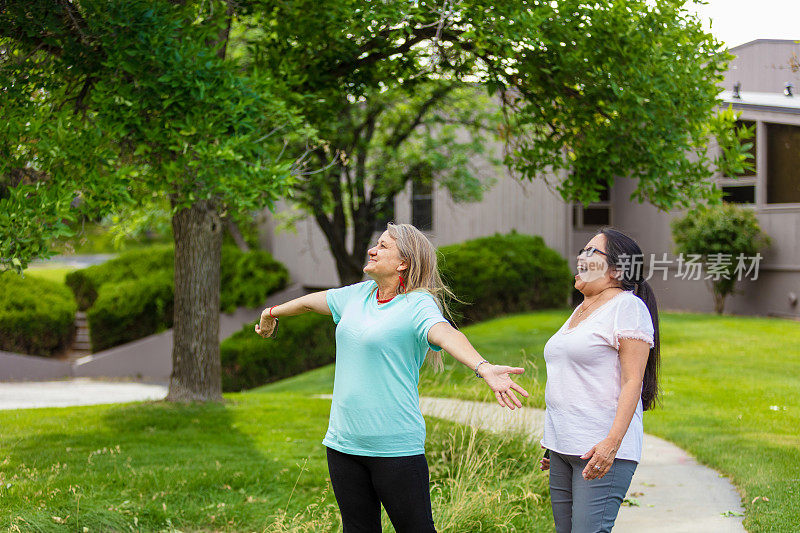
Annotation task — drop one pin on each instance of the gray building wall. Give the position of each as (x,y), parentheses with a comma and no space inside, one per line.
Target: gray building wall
(779,271)
(764,65)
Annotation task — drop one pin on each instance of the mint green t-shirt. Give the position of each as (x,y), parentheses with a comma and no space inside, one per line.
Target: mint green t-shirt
(379,351)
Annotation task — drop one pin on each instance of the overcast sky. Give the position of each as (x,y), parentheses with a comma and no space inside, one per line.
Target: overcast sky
(739,21)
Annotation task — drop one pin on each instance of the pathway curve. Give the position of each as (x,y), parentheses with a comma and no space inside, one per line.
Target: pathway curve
(675,493)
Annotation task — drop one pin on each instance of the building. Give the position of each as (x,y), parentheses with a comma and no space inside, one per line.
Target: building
(761,73)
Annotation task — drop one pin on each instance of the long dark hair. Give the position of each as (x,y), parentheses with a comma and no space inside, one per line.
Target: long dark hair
(619,245)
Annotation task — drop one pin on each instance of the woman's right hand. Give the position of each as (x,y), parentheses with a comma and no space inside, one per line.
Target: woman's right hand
(544,463)
(266,327)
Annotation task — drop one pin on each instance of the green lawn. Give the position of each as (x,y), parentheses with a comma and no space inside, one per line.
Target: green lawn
(253,464)
(56,272)
(731,397)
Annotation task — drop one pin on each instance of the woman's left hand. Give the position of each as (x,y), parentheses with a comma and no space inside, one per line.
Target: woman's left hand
(601,457)
(499,380)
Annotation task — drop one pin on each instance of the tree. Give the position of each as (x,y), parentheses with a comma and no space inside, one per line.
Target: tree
(720,234)
(605,89)
(429,132)
(117,103)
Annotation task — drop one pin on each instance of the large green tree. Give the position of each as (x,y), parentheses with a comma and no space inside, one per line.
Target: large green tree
(113,103)
(602,89)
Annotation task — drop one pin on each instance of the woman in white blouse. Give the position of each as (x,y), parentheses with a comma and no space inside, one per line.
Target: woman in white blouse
(602,373)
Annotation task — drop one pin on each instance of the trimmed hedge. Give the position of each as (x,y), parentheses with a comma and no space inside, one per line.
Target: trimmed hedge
(247,278)
(37,316)
(504,274)
(131,309)
(304,342)
(135,264)
(131,296)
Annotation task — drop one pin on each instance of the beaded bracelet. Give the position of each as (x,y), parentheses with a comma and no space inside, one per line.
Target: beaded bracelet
(478,365)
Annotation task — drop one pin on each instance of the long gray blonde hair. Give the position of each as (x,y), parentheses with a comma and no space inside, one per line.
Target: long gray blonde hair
(422,273)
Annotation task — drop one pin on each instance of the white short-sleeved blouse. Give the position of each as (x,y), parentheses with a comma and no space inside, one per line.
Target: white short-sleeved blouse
(583,378)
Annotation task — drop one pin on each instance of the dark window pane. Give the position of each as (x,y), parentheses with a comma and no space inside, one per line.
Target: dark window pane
(783,164)
(605,195)
(576,212)
(421,188)
(422,214)
(739,194)
(422,205)
(596,216)
(752,139)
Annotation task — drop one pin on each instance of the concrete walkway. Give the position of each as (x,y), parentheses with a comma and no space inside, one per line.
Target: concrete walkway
(674,492)
(80,391)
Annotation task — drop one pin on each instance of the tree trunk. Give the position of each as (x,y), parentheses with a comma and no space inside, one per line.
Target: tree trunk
(195,350)
(719,297)
(236,235)
(347,273)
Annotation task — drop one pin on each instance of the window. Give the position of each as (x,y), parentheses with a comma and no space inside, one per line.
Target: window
(752,139)
(422,205)
(739,194)
(741,188)
(783,164)
(594,214)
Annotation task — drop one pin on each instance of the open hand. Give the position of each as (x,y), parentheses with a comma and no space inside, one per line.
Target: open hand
(268,326)
(499,380)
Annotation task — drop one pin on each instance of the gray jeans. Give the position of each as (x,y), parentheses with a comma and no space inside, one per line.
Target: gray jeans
(581,506)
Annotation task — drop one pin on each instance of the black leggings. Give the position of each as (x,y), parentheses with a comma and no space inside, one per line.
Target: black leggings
(361,484)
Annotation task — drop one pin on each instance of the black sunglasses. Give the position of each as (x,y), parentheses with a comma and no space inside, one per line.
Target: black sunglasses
(590,250)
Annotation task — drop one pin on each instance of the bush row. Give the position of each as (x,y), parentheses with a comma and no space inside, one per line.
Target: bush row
(131,265)
(131,296)
(303,342)
(131,309)
(37,316)
(504,274)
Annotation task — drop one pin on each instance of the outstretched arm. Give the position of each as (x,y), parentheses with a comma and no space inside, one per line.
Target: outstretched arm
(497,376)
(316,302)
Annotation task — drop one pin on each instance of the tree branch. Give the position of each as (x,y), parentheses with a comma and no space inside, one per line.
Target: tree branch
(419,35)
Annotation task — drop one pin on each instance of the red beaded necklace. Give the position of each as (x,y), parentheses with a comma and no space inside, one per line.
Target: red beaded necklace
(390,299)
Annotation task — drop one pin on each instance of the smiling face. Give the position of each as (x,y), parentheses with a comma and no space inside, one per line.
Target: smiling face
(384,259)
(594,273)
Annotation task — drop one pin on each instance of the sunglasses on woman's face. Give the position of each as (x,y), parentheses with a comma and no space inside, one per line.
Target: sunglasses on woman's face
(590,251)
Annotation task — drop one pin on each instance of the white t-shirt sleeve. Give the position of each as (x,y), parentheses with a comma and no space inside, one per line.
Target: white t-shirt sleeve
(632,321)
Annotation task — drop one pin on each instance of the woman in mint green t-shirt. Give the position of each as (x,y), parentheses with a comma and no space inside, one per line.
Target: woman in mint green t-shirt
(385,328)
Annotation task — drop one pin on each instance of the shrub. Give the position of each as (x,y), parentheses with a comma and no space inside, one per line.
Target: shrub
(132,295)
(37,316)
(504,274)
(135,264)
(724,232)
(131,309)
(247,278)
(303,342)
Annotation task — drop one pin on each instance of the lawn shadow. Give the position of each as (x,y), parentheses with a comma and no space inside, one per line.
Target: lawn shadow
(160,466)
